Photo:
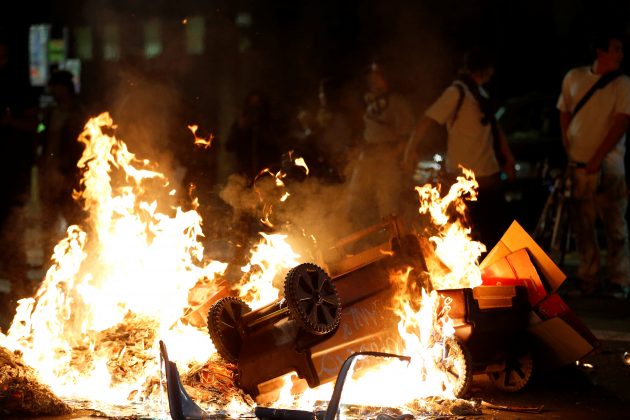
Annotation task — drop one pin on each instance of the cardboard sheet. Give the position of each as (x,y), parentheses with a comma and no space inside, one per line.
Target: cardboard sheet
(516,238)
(565,345)
(516,269)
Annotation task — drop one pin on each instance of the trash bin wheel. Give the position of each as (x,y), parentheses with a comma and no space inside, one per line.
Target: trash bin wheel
(226,327)
(457,364)
(312,299)
(517,373)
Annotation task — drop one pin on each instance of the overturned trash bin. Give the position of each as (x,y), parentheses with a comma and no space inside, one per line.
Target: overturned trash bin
(339,308)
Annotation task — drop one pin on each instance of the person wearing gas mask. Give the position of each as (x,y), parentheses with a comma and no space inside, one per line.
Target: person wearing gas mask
(376,182)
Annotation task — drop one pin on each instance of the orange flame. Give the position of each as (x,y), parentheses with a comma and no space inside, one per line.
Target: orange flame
(135,262)
(453,246)
(200,141)
(131,262)
(270,257)
(438,363)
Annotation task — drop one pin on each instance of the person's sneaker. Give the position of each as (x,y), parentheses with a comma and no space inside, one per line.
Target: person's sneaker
(618,291)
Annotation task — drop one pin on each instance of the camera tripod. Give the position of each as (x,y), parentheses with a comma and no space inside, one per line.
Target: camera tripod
(552,230)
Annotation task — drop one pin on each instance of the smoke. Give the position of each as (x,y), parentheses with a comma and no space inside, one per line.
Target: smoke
(143,75)
(314,215)
(146,109)
(150,98)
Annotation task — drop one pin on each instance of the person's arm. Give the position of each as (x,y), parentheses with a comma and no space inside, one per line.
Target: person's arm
(411,156)
(438,113)
(619,127)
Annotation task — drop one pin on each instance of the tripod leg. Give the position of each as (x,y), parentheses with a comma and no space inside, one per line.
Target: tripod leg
(545,220)
(541,225)
(556,234)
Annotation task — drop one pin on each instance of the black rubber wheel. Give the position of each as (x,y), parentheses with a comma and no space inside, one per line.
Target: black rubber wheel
(517,373)
(312,299)
(226,327)
(457,364)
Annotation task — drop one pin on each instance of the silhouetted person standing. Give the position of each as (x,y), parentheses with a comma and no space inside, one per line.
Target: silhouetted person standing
(61,151)
(337,132)
(18,118)
(17,124)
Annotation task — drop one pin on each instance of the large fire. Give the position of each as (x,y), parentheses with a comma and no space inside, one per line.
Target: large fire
(120,283)
(131,263)
(424,327)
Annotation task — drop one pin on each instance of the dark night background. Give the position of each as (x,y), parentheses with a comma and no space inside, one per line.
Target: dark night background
(285,48)
(288,46)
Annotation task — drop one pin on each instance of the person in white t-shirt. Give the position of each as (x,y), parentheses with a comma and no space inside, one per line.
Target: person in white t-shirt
(475,141)
(594,140)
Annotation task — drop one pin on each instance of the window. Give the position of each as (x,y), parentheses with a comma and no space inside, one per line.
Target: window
(152,39)
(38,38)
(111,42)
(83,42)
(195,31)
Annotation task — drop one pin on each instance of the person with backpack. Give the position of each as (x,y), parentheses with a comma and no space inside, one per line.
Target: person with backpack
(475,141)
(594,110)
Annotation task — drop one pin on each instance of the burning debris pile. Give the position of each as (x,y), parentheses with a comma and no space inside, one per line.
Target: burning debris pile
(214,383)
(21,393)
(116,284)
(438,407)
(126,348)
(136,276)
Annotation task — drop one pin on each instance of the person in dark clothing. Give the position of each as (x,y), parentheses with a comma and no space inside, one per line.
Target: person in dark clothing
(61,151)
(327,135)
(18,119)
(339,125)
(17,123)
